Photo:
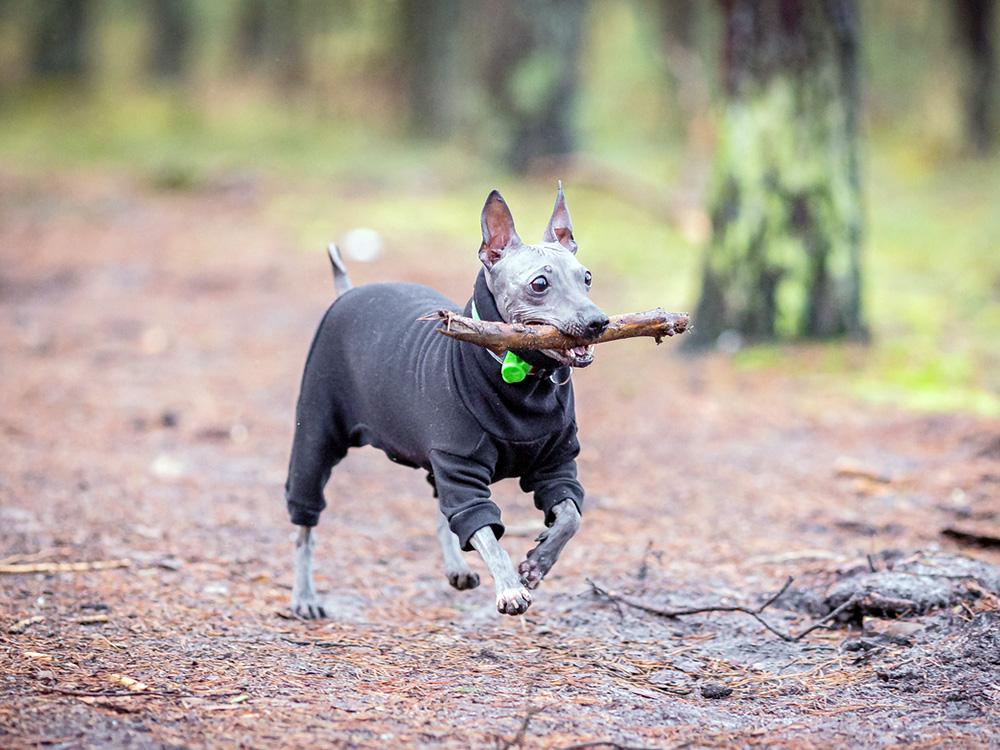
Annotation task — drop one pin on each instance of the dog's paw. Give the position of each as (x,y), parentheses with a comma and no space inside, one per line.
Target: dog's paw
(531,572)
(463,579)
(308,607)
(514,601)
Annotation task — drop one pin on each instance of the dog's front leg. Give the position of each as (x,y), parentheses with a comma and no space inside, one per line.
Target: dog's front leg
(305,603)
(551,542)
(512,597)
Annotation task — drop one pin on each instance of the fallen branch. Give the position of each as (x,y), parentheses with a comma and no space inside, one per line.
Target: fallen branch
(518,739)
(501,337)
(63,567)
(983,535)
(754,613)
(21,625)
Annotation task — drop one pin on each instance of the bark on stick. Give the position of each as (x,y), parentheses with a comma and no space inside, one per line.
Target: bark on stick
(501,337)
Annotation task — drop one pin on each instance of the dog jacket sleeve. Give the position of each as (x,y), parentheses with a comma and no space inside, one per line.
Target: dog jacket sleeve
(553,478)
(463,488)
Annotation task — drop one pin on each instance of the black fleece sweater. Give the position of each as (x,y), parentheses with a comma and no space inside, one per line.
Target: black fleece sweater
(377,376)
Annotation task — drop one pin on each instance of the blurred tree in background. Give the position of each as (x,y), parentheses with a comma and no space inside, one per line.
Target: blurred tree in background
(170,32)
(275,36)
(531,74)
(975,21)
(429,57)
(786,203)
(61,39)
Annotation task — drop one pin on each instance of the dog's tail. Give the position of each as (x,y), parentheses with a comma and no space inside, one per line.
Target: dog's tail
(341,281)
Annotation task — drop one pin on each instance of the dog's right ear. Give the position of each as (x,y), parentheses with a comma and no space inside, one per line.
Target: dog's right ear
(499,234)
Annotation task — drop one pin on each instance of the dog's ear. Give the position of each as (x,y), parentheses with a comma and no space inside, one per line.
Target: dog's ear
(498,230)
(560,228)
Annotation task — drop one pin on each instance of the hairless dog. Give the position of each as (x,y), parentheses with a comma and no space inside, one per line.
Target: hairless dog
(468,417)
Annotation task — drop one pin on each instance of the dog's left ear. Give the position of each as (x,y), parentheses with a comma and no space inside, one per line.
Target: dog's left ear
(560,228)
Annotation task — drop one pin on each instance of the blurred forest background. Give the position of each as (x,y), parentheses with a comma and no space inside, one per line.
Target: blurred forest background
(789,170)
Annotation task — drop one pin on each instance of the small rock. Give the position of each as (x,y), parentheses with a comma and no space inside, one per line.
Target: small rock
(859,644)
(893,628)
(715,690)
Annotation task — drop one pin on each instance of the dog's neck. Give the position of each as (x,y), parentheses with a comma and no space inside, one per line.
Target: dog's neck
(486,306)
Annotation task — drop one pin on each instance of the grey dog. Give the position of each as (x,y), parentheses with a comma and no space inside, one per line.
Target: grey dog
(375,375)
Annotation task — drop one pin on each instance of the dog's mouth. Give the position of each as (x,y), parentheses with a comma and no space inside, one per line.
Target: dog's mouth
(578,356)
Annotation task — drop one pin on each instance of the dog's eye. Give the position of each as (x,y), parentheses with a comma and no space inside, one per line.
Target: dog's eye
(539,284)
(588,278)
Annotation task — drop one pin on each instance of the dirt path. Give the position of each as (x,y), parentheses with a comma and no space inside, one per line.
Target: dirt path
(150,348)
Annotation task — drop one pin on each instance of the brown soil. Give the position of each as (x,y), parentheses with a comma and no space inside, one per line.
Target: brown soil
(150,350)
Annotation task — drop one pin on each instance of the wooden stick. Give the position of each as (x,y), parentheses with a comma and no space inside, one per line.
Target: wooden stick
(501,337)
(848,605)
(63,567)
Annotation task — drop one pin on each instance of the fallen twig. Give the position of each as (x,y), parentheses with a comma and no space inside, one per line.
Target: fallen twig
(754,613)
(134,685)
(111,693)
(21,625)
(92,620)
(501,337)
(63,567)
(610,744)
(983,535)
(518,739)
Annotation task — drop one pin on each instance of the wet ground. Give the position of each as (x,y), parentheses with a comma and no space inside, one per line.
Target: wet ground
(150,350)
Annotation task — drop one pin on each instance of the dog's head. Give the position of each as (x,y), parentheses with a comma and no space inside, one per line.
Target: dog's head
(542,283)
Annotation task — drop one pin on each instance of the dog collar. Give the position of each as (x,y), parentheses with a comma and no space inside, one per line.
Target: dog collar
(513,369)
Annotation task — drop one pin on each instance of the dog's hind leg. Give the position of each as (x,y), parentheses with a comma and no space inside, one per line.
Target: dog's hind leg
(305,602)
(551,542)
(460,575)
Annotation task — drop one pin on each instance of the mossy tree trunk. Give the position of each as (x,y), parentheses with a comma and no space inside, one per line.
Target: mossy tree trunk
(784,259)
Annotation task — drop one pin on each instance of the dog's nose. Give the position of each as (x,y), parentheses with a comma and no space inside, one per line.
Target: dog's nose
(597,326)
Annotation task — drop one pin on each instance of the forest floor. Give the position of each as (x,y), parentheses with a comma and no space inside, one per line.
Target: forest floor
(150,351)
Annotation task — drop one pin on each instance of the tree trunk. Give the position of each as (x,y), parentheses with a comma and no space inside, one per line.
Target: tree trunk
(532,74)
(251,32)
(685,67)
(786,199)
(429,36)
(59,46)
(974,23)
(275,37)
(170,27)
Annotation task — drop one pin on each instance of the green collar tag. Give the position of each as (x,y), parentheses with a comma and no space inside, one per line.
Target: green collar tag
(513,369)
